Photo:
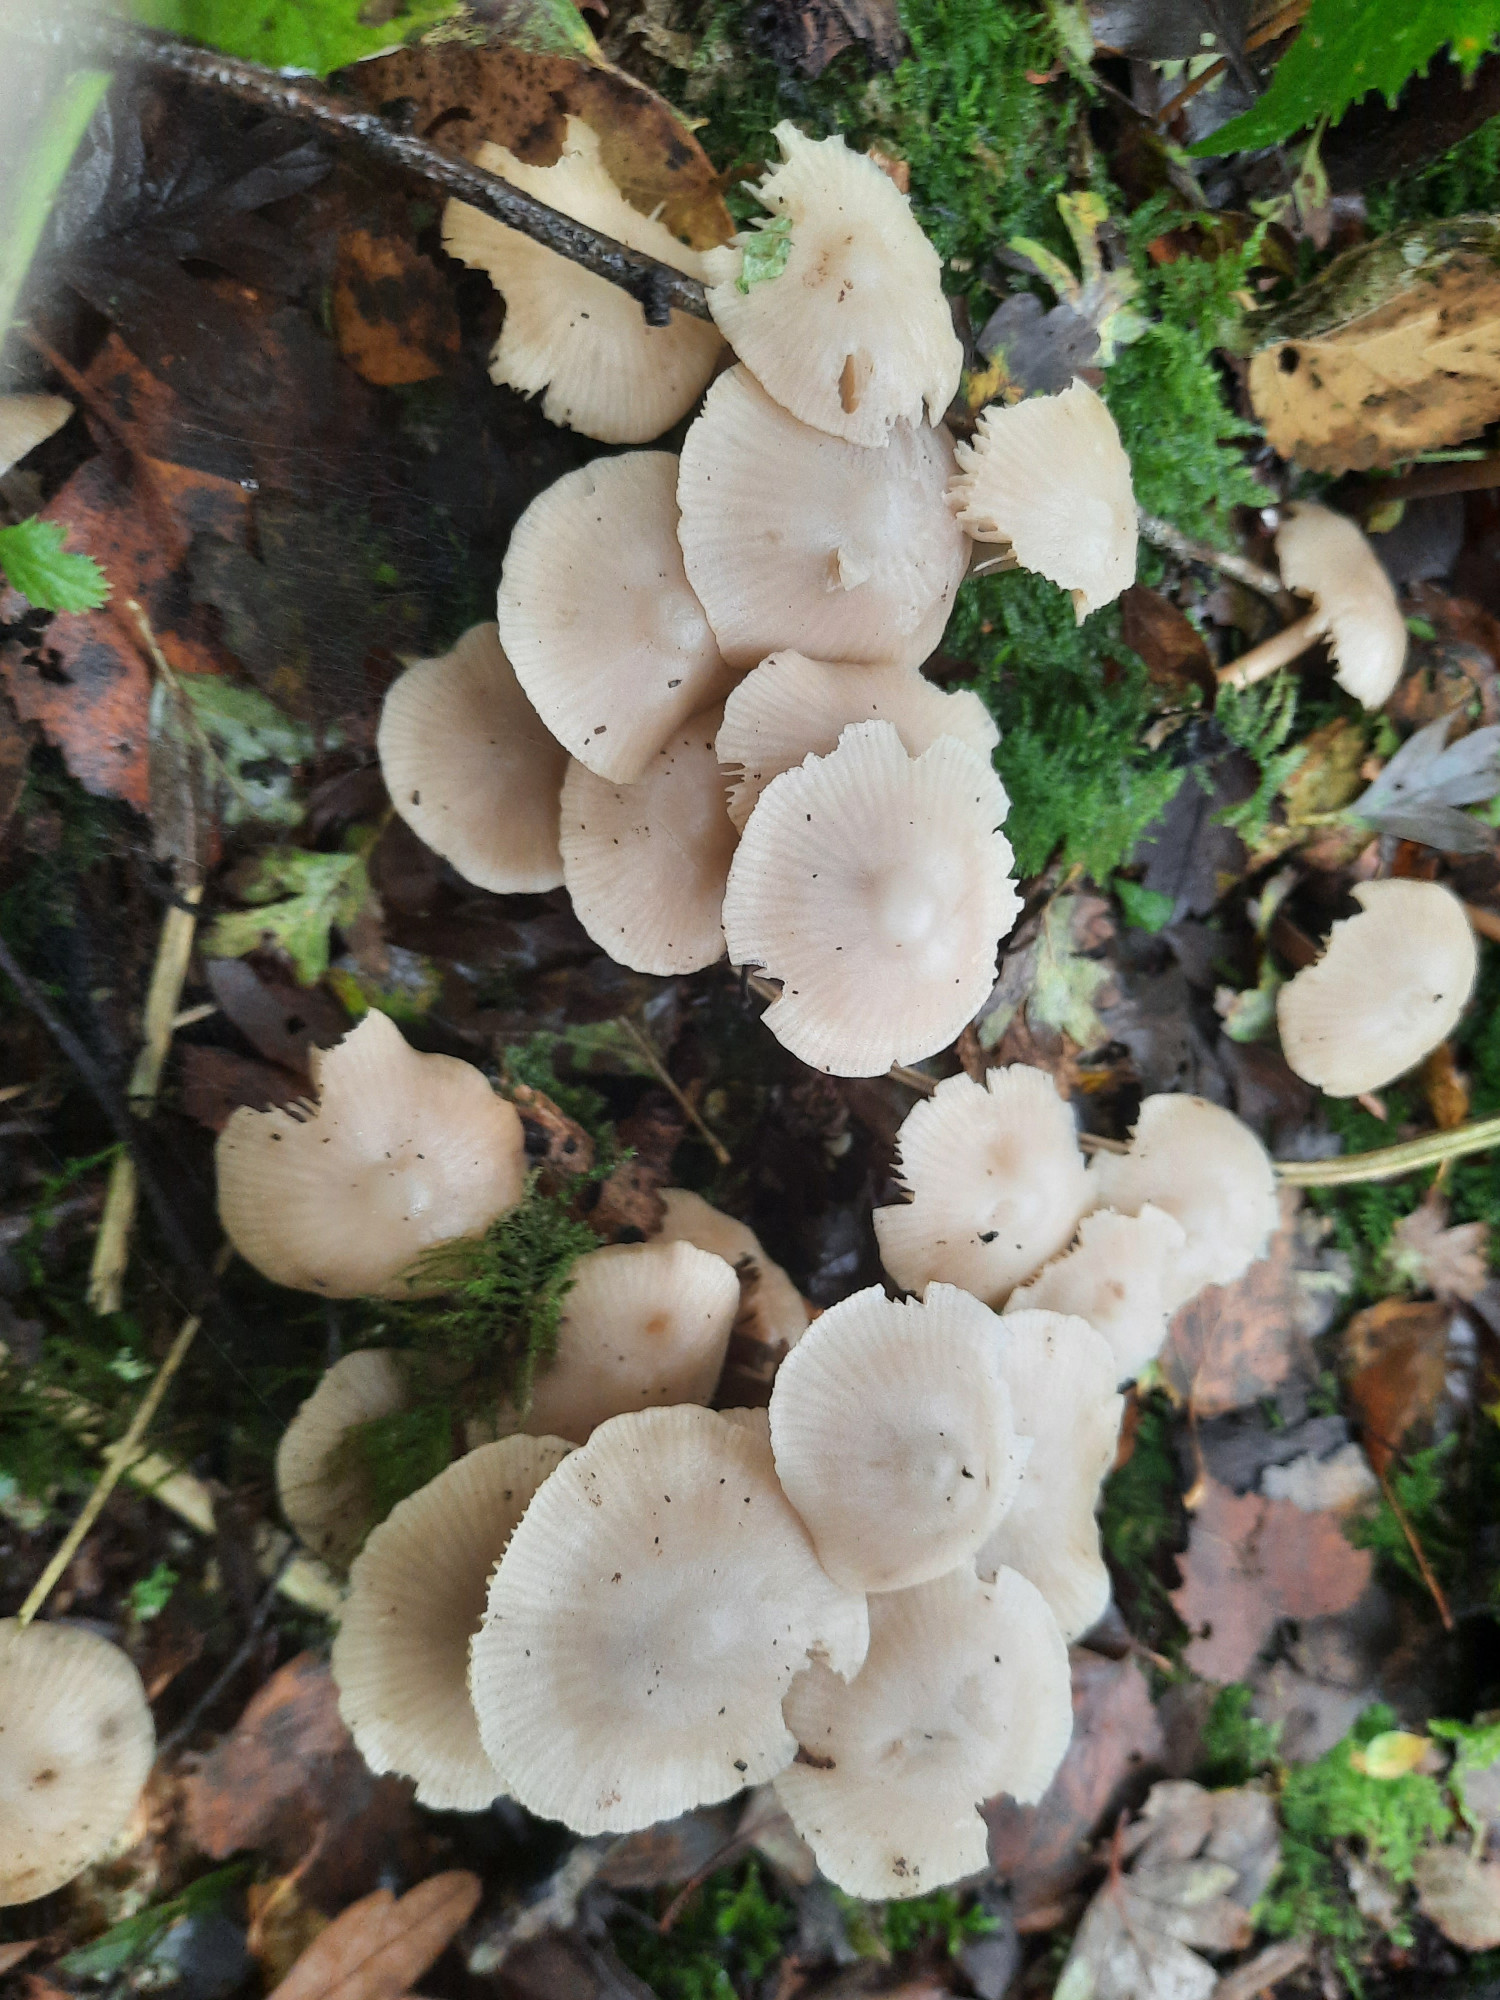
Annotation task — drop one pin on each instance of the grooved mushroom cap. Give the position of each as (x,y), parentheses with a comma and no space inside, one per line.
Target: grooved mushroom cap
(1207,1169)
(416,1598)
(76,1748)
(645,1622)
(1389,987)
(606,372)
(876,887)
(893,1436)
(965,1694)
(1049,476)
(854,333)
(1061,1375)
(768,1296)
(325,1490)
(646,863)
(997,1184)
(471,768)
(27,421)
(401,1152)
(1324,555)
(794,538)
(1115,1277)
(790,706)
(609,642)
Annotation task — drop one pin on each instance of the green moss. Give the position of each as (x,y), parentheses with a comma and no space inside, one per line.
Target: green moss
(1426,1492)
(1259,721)
(1463,181)
(1139,1519)
(945,1919)
(534,1062)
(728,1937)
(398,1454)
(1237,1745)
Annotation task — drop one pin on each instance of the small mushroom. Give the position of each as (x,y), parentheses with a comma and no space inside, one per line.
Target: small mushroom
(1115,1277)
(853,334)
(794,538)
(964,1694)
(76,1748)
(610,644)
(893,1436)
(400,1153)
(646,1621)
(646,864)
(606,372)
(27,421)
(767,1295)
(471,768)
(325,1489)
(416,1598)
(997,1184)
(876,887)
(1389,987)
(1049,477)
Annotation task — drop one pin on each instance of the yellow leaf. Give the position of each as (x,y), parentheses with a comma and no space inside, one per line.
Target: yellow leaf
(1391,1754)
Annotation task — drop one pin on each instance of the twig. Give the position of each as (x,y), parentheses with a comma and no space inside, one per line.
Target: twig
(647,1048)
(1428,482)
(1486,922)
(1095,1142)
(1162,535)
(1269,31)
(1416,1548)
(1388,1163)
(236,1661)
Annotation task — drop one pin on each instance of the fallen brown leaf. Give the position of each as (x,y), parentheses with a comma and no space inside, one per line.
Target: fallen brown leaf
(806,35)
(12,1954)
(1398,1352)
(1175,651)
(1430,1257)
(1258,1975)
(1461,1894)
(378,1946)
(282,1927)
(16,740)
(1444,1088)
(217,1082)
(393,316)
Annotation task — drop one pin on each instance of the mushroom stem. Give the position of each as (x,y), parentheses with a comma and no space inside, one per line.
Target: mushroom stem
(1162,535)
(1389,1163)
(1273,653)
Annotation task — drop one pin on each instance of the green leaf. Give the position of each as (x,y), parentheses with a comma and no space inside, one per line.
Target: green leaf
(764,251)
(1145,909)
(316,35)
(125,1944)
(1066,981)
(34,180)
(302,897)
(150,1595)
(33,557)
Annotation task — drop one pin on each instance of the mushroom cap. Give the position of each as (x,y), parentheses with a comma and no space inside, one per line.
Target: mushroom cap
(1116,1277)
(645,1622)
(325,1491)
(794,538)
(472,769)
(27,421)
(768,1295)
(822,337)
(1326,557)
(1061,1375)
(1050,477)
(416,1598)
(965,1693)
(76,1747)
(876,887)
(401,1152)
(586,342)
(608,640)
(1206,1168)
(646,863)
(997,1182)
(790,706)
(894,1438)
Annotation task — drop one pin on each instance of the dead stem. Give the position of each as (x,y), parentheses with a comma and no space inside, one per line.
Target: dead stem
(1162,535)
(690,1110)
(1420,1554)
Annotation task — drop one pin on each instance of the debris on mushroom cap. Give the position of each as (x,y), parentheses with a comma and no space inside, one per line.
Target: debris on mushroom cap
(965,1694)
(1061,1375)
(645,1622)
(854,332)
(1207,1169)
(778,1309)
(416,1598)
(608,640)
(1049,477)
(471,768)
(1326,557)
(790,706)
(579,337)
(794,538)
(401,1152)
(997,1184)
(325,1490)
(76,1748)
(1116,1278)
(1389,987)
(27,421)
(876,887)
(894,1437)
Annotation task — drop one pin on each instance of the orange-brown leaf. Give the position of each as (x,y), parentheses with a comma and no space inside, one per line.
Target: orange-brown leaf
(378,1946)
(393,316)
(1399,1354)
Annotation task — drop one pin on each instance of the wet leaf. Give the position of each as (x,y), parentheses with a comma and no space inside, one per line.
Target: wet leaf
(1067,982)
(765,248)
(34,562)
(300,898)
(378,1946)
(1164,30)
(1415,795)
(1398,1351)
(1461,1894)
(215,1083)
(1031,350)
(258,750)
(393,316)
(806,35)
(1175,651)
(16,740)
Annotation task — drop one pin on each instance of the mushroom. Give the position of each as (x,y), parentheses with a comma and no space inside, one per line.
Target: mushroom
(416,1598)
(894,1438)
(1115,1277)
(964,1694)
(607,372)
(794,538)
(608,641)
(791,705)
(875,887)
(1389,987)
(997,1184)
(325,1489)
(645,1622)
(767,1294)
(27,421)
(76,1748)
(646,863)
(1061,1375)
(1049,477)
(400,1153)
(853,334)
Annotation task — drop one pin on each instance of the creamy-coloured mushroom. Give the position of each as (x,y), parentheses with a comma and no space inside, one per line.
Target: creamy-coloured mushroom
(776,1309)
(1390,986)
(325,1486)
(27,421)
(1116,1276)
(400,1153)
(1326,557)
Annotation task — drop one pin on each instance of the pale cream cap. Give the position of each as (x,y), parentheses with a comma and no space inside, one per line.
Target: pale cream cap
(1117,1276)
(27,421)
(1326,557)
(324,1488)
(777,1310)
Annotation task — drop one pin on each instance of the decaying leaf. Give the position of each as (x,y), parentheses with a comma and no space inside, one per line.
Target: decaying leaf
(297,899)
(1427,1255)
(1417,793)
(378,1946)
(1175,651)
(806,35)
(1398,1351)
(1461,1894)
(393,316)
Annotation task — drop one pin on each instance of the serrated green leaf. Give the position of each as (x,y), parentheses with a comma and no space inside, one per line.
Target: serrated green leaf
(316,35)
(34,559)
(301,897)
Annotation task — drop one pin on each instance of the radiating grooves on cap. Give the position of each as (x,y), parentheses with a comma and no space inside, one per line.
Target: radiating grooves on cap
(1115,1277)
(1325,555)
(326,1495)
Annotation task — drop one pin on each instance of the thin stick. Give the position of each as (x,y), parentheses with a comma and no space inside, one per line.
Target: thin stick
(1162,535)
(1388,1163)
(232,1666)
(1261,661)
(644,1043)
(1416,1548)
(1486,922)
(914,1079)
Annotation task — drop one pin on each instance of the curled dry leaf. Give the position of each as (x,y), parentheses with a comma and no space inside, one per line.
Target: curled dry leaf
(378,1946)
(1398,1351)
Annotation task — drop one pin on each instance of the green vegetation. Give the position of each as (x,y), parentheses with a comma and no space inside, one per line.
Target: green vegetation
(1237,1745)
(1463,181)
(1425,1488)
(34,560)
(1259,721)
(1476,1745)
(945,1919)
(125,1945)
(400,1453)
(730,1934)
(318,35)
(1140,1520)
